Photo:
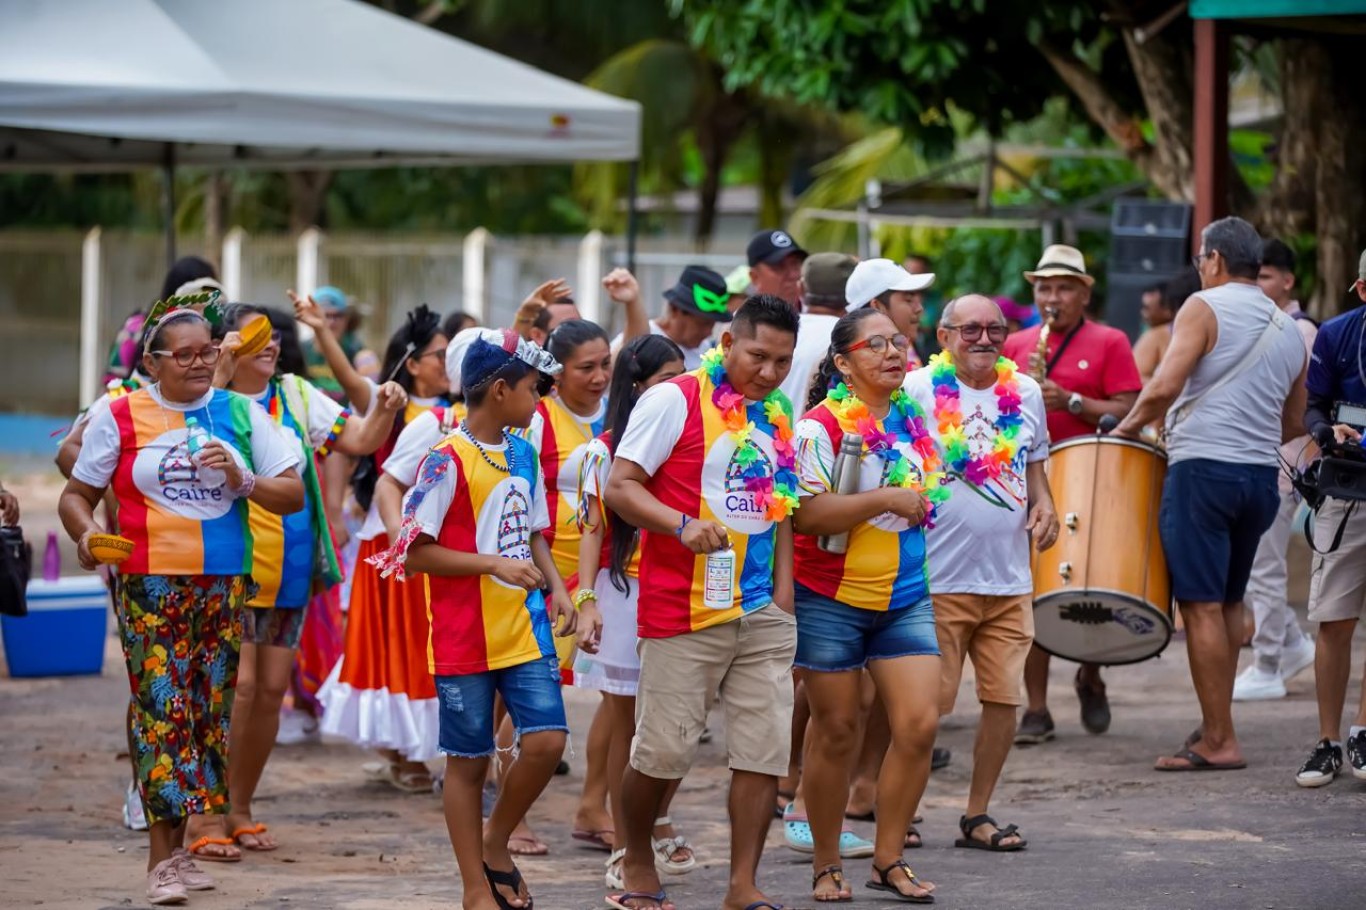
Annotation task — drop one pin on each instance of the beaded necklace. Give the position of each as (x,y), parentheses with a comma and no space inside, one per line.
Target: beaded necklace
(776,494)
(854,417)
(948,413)
(507,451)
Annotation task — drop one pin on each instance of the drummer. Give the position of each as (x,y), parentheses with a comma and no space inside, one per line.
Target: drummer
(1088,372)
(979,547)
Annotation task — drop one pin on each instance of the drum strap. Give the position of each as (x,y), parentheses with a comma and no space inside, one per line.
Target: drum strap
(1337,537)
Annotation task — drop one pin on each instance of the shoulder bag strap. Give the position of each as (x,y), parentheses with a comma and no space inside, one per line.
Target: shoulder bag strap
(1274,325)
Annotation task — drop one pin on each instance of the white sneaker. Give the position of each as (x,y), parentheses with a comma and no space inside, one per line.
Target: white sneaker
(134,818)
(1293,660)
(1256,684)
(164,885)
(297,728)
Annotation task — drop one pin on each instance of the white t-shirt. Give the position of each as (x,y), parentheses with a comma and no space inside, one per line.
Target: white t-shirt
(692,357)
(321,417)
(979,546)
(412,445)
(813,343)
(271,453)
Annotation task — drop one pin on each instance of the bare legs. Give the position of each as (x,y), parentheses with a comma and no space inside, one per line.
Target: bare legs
(1214,632)
(1332,672)
(262,681)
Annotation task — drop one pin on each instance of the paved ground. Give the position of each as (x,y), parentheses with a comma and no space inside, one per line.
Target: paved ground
(1105,830)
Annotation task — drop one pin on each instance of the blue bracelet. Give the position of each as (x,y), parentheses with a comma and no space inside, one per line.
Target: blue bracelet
(678,532)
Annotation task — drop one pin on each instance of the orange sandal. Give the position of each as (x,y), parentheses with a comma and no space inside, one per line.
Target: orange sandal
(252,831)
(195,849)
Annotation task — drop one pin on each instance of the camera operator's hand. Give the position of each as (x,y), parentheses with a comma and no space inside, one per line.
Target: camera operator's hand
(1343,434)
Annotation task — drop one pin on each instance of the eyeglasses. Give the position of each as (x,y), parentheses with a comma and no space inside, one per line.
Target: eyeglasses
(1200,257)
(972,331)
(186,357)
(878,343)
(439,352)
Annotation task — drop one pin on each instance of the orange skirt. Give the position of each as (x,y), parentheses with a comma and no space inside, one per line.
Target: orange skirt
(381,694)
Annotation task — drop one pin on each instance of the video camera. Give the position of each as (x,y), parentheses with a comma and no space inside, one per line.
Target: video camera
(1341,472)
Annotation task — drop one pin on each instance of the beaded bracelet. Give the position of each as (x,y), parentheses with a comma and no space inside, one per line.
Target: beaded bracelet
(585,595)
(244,489)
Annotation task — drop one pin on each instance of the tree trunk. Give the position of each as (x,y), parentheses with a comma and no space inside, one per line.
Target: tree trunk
(1340,182)
(307,192)
(1162,65)
(715,133)
(216,189)
(1288,206)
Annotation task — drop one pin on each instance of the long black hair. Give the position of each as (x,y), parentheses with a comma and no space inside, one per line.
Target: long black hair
(183,271)
(842,335)
(640,359)
(421,326)
(291,358)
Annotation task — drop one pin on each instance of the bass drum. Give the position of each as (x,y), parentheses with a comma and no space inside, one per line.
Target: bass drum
(1102,593)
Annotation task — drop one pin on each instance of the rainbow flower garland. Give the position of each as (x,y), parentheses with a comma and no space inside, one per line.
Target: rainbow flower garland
(948,413)
(854,417)
(776,494)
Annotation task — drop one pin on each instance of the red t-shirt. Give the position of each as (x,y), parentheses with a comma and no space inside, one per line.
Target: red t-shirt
(1098,363)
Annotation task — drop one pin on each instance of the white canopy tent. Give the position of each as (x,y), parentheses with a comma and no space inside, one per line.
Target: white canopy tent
(118,85)
(89,85)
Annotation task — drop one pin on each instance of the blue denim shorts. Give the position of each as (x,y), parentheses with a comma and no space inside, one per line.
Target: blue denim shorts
(1213,515)
(833,636)
(531,692)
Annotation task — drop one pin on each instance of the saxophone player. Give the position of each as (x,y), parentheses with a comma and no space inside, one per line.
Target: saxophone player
(1086,370)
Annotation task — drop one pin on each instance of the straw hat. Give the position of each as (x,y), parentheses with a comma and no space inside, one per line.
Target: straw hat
(1061,261)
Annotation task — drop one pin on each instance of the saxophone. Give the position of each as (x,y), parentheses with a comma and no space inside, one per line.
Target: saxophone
(1040,365)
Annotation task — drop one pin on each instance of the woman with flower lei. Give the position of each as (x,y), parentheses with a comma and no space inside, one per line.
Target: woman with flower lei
(868,606)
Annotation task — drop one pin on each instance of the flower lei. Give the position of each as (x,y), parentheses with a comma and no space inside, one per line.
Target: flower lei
(854,417)
(776,494)
(948,412)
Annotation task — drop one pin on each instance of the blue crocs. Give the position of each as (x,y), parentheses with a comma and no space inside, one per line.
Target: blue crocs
(797,834)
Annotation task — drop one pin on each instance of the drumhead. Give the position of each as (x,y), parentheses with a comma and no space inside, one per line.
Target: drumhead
(1108,441)
(1100,627)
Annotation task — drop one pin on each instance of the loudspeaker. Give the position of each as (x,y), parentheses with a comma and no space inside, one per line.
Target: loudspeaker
(1149,243)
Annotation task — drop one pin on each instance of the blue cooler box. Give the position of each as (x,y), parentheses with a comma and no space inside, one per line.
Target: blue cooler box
(64,631)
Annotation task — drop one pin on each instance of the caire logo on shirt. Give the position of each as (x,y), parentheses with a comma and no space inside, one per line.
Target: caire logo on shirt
(504,522)
(165,474)
(725,488)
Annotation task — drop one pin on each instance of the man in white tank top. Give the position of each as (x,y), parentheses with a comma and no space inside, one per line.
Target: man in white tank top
(1232,386)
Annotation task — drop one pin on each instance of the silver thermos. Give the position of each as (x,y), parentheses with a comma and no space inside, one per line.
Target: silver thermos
(845,481)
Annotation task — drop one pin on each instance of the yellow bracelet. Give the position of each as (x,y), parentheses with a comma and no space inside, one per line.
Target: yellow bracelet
(585,595)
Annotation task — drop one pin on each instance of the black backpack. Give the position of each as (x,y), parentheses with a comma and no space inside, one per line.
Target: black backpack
(16,565)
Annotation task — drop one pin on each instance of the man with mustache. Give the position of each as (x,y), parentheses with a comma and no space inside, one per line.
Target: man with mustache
(1089,372)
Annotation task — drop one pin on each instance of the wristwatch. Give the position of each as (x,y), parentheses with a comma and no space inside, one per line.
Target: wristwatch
(1074,403)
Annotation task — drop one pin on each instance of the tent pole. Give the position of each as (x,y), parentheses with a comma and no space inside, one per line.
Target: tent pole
(632,216)
(168,199)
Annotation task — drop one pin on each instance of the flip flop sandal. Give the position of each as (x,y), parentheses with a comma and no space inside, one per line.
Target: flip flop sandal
(538,847)
(619,900)
(511,880)
(410,781)
(594,839)
(885,885)
(195,848)
(836,875)
(765,905)
(666,847)
(919,841)
(968,842)
(253,831)
(613,878)
(1197,762)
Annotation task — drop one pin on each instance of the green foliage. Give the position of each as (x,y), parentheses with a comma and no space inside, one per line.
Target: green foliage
(901,62)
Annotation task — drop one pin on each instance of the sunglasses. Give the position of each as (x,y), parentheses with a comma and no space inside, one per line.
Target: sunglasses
(186,357)
(878,343)
(972,331)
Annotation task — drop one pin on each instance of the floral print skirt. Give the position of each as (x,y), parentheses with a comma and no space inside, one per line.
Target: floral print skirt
(181,636)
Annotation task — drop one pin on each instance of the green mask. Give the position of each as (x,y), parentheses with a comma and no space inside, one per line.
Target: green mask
(708,301)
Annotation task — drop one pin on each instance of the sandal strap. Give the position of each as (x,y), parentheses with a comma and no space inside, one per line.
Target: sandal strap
(968,825)
(663,820)
(836,874)
(1002,833)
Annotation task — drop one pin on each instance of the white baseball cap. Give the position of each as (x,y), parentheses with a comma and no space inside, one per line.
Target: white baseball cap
(872,277)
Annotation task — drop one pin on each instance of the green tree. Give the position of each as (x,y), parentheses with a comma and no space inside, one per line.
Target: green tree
(1125,64)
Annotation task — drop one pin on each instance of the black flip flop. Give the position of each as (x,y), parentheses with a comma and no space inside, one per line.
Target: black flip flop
(968,842)
(882,884)
(511,880)
(1197,762)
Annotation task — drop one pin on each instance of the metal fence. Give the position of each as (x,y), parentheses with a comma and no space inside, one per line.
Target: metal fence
(44,277)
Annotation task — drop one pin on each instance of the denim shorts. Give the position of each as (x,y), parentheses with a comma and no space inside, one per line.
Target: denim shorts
(833,636)
(1213,515)
(531,692)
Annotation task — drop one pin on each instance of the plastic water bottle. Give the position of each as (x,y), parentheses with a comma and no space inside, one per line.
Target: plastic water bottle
(52,558)
(210,478)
